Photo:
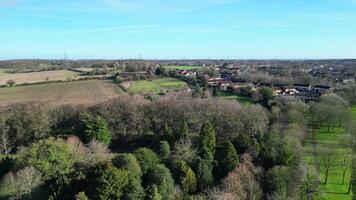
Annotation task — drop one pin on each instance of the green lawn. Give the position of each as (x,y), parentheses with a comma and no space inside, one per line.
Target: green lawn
(185,67)
(335,140)
(241,99)
(353,111)
(156,85)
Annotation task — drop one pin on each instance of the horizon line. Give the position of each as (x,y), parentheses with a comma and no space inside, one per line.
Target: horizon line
(173,59)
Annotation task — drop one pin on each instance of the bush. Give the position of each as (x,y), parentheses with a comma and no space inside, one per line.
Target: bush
(11,82)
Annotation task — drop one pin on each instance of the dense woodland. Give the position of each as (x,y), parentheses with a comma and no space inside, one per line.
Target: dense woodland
(167,148)
(170,147)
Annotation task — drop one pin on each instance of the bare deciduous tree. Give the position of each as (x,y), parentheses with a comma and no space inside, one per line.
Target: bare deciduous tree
(5,142)
(26,180)
(345,166)
(327,160)
(96,152)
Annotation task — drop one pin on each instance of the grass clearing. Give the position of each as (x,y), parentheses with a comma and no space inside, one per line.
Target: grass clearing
(155,85)
(335,140)
(76,93)
(185,67)
(34,77)
(84,69)
(241,99)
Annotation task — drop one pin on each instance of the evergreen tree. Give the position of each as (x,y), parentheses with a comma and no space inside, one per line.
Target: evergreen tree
(187,178)
(227,158)
(184,131)
(147,159)
(52,157)
(161,176)
(243,142)
(197,91)
(134,189)
(207,137)
(81,196)
(204,174)
(111,183)
(168,133)
(96,128)
(128,162)
(165,150)
(216,92)
(160,71)
(153,193)
(207,155)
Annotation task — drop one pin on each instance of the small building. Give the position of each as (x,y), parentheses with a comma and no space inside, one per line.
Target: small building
(321,89)
(187,73)
(348,81)
(302,87)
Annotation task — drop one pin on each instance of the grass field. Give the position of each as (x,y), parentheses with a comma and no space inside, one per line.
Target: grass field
(76,93)
(155,85)
(84,69)
(335,140)
(178,67)
(353,111)
(241,99)
(34,77)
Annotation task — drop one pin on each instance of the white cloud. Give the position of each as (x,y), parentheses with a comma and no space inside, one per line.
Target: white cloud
(163,6)
(126,29)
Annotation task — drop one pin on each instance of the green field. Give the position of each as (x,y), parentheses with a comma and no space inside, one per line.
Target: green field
(241,99)
(353,111)
(334,140)
(183,67)
(155,85)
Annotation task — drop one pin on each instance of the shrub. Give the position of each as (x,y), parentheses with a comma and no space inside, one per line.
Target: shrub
(11,82)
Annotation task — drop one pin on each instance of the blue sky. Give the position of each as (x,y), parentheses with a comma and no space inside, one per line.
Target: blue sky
(177,29)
